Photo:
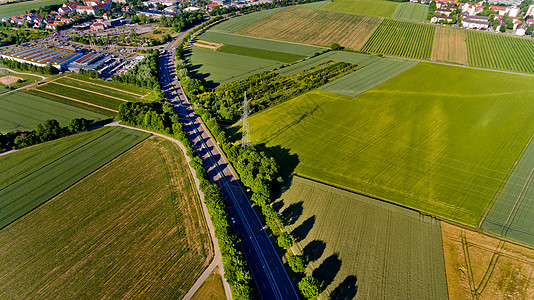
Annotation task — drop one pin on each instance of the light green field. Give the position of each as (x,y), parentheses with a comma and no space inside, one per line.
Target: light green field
(40,178)
(258,43)
(259,53)
(512,214)
(21,112)
(15,9)
(408,11)
(500,57)
(218,68)
(381,8)
(354,58)
(404,39)
(121,232)
(366,78)
(236,23)
(363,248)
(442,145)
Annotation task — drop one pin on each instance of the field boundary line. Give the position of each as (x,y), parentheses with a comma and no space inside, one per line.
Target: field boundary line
(91,104)
(261,38)
(441,219)
(89,91)
(501,187)
(217,258)
(92,83)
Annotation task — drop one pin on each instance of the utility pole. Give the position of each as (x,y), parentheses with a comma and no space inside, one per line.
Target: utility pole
(245,130)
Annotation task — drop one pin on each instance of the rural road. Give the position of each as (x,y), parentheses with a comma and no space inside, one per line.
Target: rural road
(265,264)
(42,77)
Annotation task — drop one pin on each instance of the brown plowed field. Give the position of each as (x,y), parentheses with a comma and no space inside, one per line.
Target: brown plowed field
(449,46)
(316,27)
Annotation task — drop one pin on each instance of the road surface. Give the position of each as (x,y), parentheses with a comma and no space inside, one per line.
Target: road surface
(265,264)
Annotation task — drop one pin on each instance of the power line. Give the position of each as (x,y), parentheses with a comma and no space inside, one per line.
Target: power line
(245,131)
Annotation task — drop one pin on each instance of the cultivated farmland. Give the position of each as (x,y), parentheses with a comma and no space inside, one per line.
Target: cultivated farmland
(512,214)
(236,23)
(15,9)
(219,68)
(359,59)
(402,39)
(381,8)
(41,177)
(481,267)
(91,94)
(314,26)
(261,44)
(450,46)
(443,145)
(366,78)
(408,11)
(259,48)
(21,112)
(364,248)
(501,57)
(97,99)
(121,232)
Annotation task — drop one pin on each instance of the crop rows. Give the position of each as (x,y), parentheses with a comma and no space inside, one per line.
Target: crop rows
(99,89)
(507,53)
(401,39)
(121,232)
(368,77)
(40,185)
(21,111)
(411,141)
(411,12)
(140,91)
(84,96)
(393,252)
(316,27)
(236,23)
(63,100)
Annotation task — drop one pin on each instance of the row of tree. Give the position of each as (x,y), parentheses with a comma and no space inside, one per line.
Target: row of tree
(16,65)
(47,131)
(160,117)
(144,74)
(257,171)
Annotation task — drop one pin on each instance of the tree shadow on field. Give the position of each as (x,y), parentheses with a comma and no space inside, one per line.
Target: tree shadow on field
(328,270)
(314,250)
(288,162)
(346,290)
(278,205)
(301,231)
(292,213)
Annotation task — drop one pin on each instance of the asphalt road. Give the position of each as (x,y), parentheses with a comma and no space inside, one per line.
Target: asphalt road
(265,264)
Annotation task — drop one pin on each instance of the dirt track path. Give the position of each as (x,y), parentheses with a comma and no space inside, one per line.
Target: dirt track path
(42,77)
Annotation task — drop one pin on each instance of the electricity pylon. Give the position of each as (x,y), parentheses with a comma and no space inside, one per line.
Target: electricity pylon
(245,130)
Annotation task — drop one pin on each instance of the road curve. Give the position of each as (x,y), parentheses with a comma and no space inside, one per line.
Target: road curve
(265,264)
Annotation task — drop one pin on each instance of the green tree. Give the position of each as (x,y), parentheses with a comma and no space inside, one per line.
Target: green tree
(285,241)
(309,287)
(297,263)
(502,28)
